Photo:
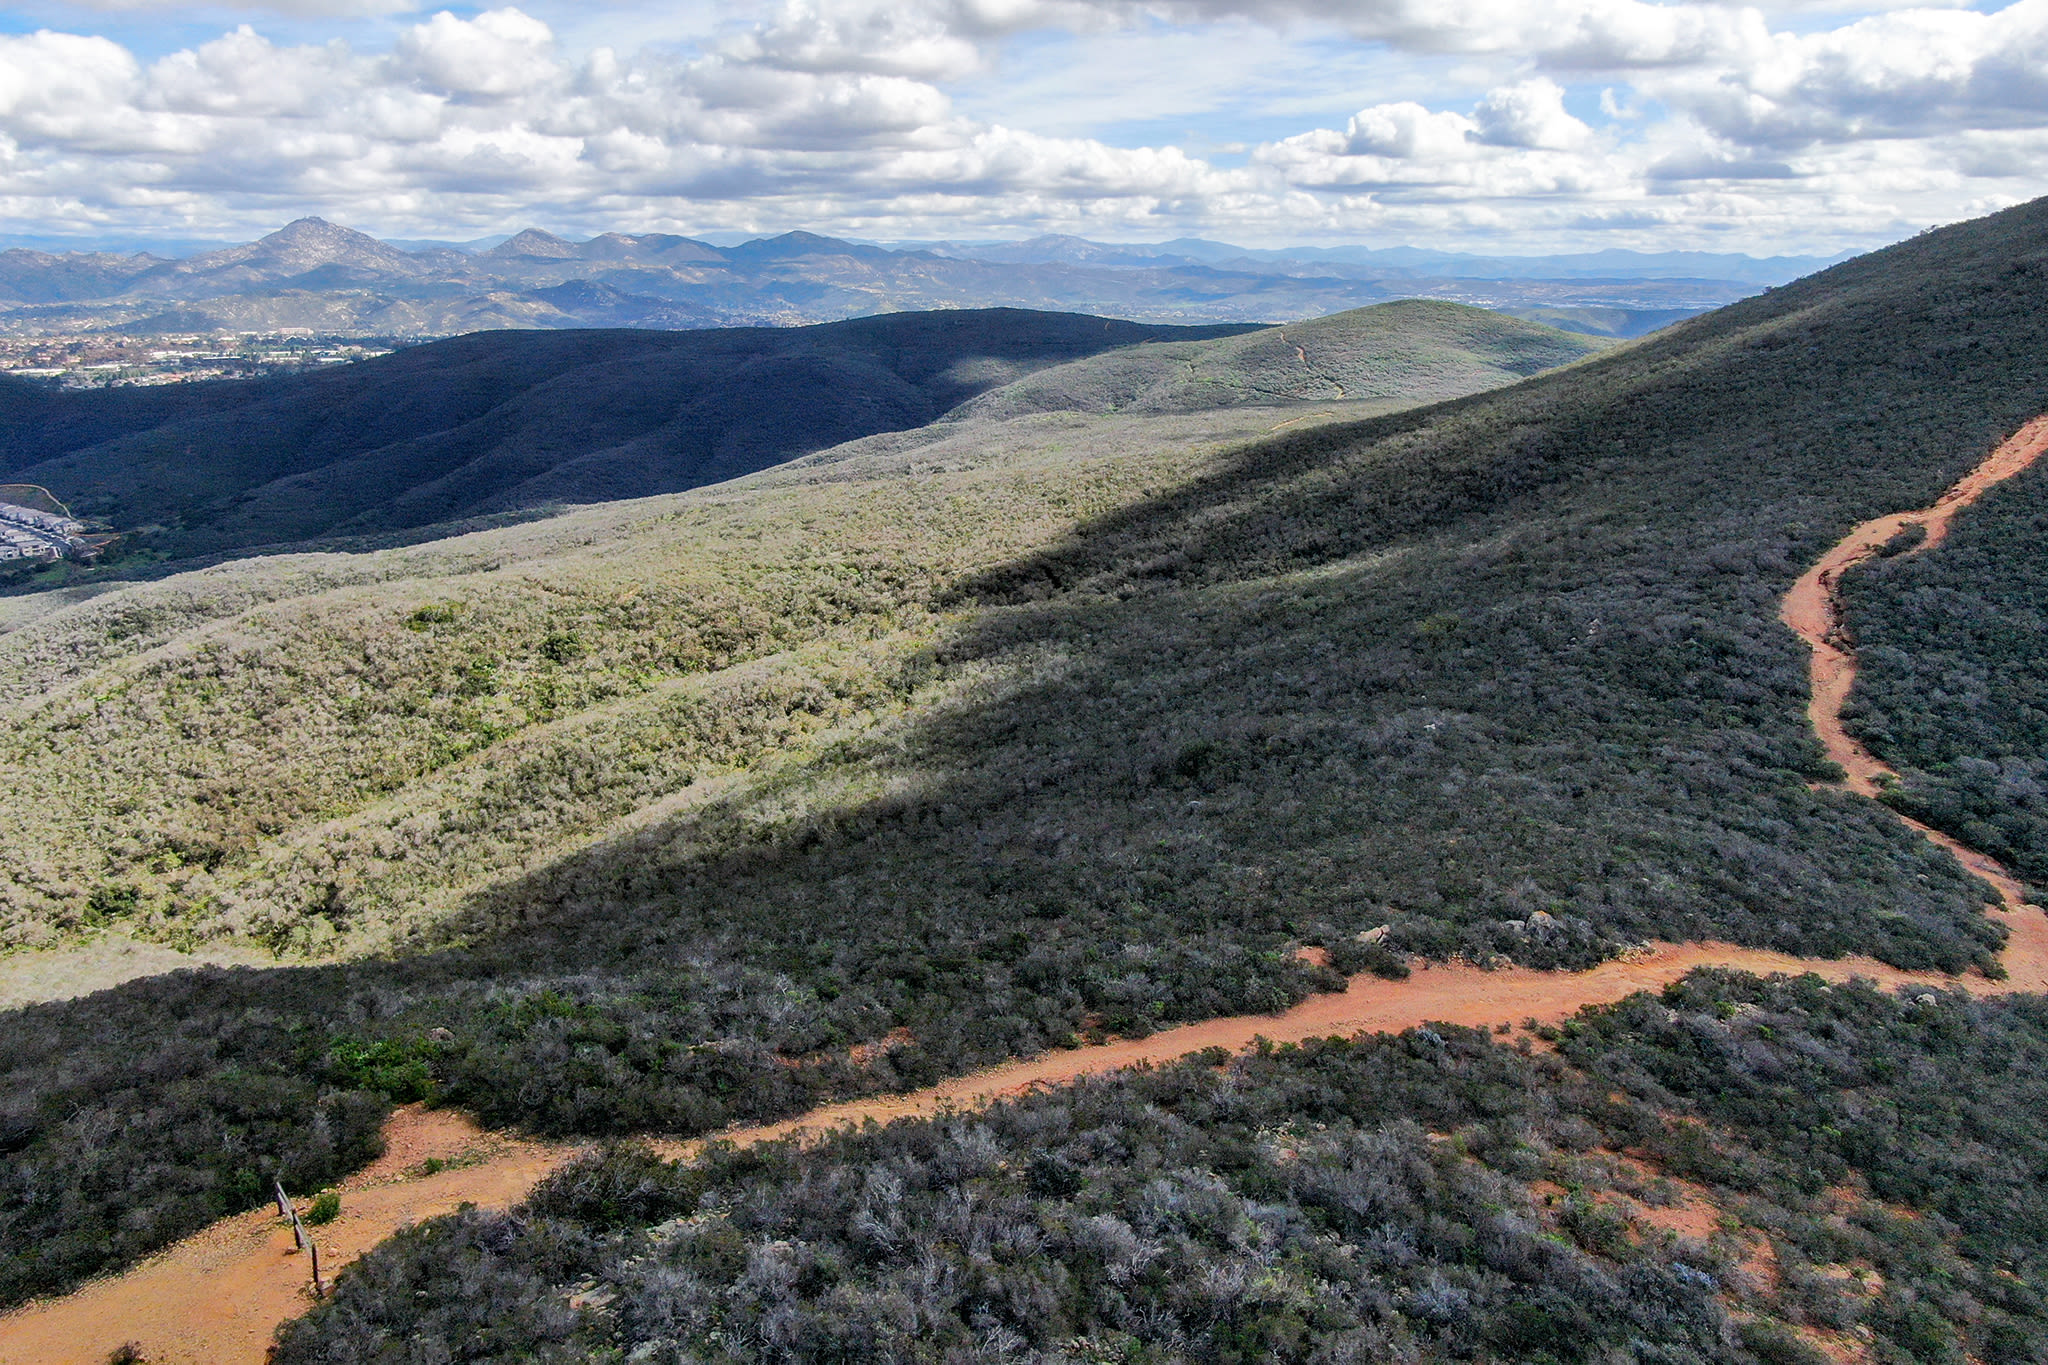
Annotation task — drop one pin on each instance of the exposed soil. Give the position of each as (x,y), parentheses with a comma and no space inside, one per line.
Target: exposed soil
(218,1296)
(1813,610)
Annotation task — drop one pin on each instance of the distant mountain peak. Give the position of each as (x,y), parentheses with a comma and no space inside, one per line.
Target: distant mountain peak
(317,234)
(534,242)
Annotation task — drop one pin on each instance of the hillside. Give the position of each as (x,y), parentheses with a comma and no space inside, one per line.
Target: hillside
(499,424)
(1954,685)
(505,421)
(1734,1171)
(661,808)
(1412,351)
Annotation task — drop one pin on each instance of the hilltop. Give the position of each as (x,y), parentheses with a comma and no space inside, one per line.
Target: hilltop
(969,742)
(1410,351)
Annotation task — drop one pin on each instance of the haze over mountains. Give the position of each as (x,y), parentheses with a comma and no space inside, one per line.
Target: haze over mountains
(332,280)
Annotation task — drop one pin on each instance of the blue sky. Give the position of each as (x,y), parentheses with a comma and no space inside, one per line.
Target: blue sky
(1495,125)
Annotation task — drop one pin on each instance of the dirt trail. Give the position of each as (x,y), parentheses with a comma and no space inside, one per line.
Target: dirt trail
(217,1297)
(1812,610)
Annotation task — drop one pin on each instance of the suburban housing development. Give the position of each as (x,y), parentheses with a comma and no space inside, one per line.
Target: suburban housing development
(26,533)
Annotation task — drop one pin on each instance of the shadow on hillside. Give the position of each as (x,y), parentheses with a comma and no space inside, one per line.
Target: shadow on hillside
(1445,669)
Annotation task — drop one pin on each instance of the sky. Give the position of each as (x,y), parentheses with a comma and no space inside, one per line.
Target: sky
(1513,126)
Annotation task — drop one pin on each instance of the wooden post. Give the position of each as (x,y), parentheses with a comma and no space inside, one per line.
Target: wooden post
(284,1205)
(319,1289)
(298,1231)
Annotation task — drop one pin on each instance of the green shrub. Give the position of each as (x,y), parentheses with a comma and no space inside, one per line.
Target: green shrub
(325,1208)
(433,614)
(561,647)
(1773,1343)
(400,1069)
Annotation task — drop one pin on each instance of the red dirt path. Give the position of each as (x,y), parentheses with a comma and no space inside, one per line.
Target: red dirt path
(217,1297)
(1812,610)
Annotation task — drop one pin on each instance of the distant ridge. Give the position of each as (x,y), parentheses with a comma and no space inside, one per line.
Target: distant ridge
(533,242)
(505,421)
(318,276)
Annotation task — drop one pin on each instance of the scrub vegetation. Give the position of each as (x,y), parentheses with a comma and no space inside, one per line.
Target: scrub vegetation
(1415,350)
(1077,730)
(1953,690)
(1736,1170)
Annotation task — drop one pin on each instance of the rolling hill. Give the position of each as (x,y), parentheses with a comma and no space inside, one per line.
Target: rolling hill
(1408,351)
(981,738)
(505,422)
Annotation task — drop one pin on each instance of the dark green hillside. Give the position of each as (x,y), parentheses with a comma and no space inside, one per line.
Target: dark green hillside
(1439,670)
(1432,1196)
(1415,349)
(496,421)
(1953,689)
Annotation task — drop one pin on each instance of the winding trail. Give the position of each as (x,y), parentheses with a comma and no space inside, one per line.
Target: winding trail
(217,1297)
(1813,608)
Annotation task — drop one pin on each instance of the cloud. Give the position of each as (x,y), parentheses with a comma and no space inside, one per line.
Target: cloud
(841,115)
(1896,75)
(301,9)
(500,52)
(1528,114)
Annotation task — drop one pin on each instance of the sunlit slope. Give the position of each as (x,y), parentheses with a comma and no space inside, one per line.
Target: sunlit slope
(1416,349)
(319,748)
(289,747)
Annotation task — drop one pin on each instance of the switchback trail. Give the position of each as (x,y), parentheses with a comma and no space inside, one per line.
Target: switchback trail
(217,1297)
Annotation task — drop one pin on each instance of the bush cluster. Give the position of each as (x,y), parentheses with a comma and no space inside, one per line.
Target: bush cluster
(1952,688)
(1428,1196)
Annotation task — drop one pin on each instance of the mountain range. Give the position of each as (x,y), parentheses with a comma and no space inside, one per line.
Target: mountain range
(331,280)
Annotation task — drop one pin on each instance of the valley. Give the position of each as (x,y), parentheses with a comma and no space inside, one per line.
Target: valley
(499,427)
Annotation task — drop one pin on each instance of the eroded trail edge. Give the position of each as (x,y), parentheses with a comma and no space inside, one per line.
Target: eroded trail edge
(218,1297)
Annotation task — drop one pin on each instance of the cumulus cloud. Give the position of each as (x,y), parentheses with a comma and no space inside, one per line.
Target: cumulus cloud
(306,9)
(500,52)
(1528,114)
(1893,75)
(836,114)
